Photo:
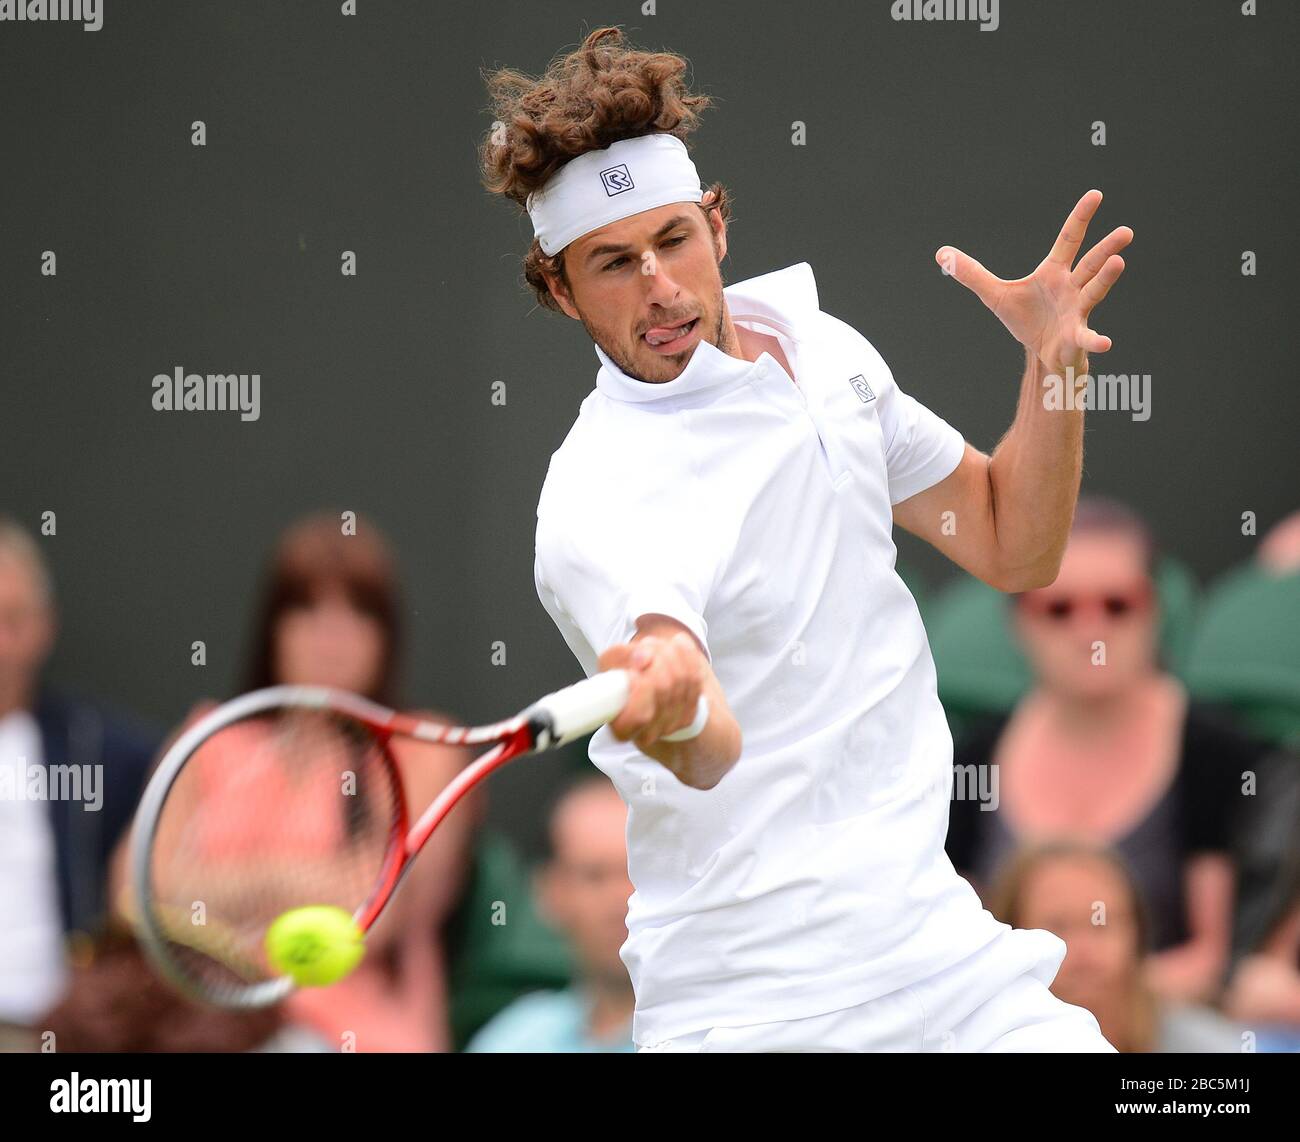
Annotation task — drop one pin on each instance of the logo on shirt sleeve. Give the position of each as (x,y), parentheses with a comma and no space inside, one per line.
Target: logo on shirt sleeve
(616,179)
(863,389)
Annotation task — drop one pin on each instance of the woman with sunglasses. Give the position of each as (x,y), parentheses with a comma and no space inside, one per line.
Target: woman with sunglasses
(1107,749)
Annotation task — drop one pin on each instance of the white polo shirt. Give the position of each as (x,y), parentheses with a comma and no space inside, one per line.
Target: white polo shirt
(756,510)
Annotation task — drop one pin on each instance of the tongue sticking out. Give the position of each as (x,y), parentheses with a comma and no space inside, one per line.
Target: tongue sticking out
(662,334)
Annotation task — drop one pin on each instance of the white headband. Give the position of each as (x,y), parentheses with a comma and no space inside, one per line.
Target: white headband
(600,187)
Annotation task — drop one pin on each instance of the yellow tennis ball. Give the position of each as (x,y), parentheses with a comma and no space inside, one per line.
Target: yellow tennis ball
(315,946)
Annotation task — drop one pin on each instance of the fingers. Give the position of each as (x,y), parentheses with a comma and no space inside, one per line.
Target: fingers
(616,657)
(667,677)
(1090,341)
(1076,226)
(636,712)
(677,677)
(1095,258)
(986,286)
(1092,294)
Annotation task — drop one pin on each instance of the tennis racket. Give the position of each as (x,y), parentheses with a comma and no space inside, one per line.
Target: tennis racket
(291,796)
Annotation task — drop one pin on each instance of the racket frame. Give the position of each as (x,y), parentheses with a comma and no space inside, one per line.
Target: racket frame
(552,721)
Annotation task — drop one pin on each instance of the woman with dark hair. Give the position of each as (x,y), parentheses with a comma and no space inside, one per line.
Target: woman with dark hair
(1086,895)
(329,615)
(329,612)
(1107,748)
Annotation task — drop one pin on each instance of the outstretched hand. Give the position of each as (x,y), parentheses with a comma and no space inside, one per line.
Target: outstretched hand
(1048,311)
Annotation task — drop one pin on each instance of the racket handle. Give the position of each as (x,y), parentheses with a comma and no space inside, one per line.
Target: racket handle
(580,708)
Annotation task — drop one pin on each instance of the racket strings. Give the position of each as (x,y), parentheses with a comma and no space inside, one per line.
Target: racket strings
(275,812)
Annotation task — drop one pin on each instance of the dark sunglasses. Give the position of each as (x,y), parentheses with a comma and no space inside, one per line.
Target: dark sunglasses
(1062,608)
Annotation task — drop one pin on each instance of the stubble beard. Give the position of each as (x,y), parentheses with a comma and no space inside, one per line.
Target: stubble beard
(721,340)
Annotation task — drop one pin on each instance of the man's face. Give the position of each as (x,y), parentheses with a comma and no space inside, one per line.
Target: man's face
(648,289)
(584,888)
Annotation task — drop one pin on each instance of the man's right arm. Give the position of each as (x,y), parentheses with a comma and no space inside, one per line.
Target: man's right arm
(669,671)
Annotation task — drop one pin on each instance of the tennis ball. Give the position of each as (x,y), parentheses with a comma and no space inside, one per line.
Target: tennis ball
(315,946)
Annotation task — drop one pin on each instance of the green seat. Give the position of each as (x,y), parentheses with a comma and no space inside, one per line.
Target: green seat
(491,963)
(916,585)
(980,668)
(1246,651)
(1178,591)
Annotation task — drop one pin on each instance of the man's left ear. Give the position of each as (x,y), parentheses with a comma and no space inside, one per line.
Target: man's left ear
(717,227)
(561,295)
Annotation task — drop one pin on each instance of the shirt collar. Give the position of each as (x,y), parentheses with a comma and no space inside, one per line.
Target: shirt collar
(783,299)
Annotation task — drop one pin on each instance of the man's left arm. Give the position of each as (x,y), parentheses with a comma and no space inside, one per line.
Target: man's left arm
(1005,518)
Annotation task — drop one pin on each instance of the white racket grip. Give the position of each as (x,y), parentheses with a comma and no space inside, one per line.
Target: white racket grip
(582,707)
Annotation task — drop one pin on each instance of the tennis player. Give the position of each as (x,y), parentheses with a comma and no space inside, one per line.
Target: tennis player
(719,521)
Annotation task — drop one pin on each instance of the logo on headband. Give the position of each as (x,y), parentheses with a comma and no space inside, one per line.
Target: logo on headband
(616,180)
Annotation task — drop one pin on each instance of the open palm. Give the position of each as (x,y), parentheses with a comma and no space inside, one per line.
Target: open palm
(1048,311)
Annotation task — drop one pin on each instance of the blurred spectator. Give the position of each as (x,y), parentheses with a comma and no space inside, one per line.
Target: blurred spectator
(583,889)
(1265,987)
(1244,661)
(493,964)
(1087,897)
(55,838)
(329,616)
(1279,549)
(1107,748)
(117,1003)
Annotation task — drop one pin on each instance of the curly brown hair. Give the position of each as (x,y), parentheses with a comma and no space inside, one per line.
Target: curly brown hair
(602,92)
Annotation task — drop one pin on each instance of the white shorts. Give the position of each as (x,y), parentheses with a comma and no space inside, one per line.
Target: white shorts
(994,1000)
